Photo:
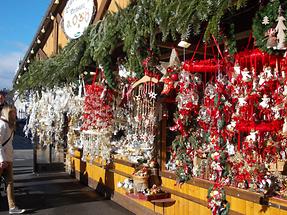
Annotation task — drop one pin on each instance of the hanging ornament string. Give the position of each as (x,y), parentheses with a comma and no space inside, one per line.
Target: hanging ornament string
(218,48)
(210,65)
(197,46)
(249,40)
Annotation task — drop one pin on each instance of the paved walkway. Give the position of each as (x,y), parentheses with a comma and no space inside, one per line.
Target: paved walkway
(55,193)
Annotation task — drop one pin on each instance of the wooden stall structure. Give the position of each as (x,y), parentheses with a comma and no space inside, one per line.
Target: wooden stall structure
(185,199)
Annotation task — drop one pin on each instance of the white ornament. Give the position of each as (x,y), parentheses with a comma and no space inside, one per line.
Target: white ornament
(285,126)
(252,136)
(242,101)
(283,155)
(237,70)
(230,149)
(123,72)
(285,91)
(268,72)
(152,95)
(280,28)
(246,77)
(265,20)
(265,101)
(231,126)
(276,112)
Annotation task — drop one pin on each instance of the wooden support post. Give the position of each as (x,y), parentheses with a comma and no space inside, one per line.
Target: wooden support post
(50,153)
(102,10)
(56,36)
(35,165)
(42,55)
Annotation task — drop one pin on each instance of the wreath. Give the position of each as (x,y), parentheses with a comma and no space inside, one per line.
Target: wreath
(264,27)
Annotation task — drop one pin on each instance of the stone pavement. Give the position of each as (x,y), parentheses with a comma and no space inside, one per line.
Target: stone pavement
(55,193)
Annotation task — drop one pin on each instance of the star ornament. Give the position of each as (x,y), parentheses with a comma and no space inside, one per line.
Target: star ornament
(152,95)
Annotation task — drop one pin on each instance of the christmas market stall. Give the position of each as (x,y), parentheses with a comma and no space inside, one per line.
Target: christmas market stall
(166,107)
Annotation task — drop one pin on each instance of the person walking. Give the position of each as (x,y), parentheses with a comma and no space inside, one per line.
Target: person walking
(7,128)
(2,100)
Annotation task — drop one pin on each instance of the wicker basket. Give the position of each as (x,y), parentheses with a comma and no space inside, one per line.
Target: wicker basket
(140,183)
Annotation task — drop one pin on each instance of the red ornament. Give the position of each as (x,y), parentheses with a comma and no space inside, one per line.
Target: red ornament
(169,70)
(174,76)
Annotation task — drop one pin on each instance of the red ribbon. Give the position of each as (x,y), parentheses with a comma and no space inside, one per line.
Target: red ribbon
(247,126)
(203,66)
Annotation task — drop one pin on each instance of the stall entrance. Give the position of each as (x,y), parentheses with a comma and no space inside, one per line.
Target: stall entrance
(48,158)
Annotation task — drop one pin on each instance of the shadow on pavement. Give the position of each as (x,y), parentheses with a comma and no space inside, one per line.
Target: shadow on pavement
(53,193)
(58,193)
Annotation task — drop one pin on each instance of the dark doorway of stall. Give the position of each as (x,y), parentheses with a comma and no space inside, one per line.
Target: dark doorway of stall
(50,156)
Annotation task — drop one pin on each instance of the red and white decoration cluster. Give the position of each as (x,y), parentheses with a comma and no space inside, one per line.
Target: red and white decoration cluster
(97,120)
(241,126)
(258,121)
(97,107)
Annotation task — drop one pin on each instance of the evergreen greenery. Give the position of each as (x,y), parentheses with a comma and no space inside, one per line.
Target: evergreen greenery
(64,67)
(134,28)
(260,30)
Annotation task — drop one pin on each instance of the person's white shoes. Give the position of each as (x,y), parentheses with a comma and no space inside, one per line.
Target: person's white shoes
(16,210)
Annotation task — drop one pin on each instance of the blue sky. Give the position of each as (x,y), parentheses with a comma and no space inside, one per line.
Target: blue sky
(19,21)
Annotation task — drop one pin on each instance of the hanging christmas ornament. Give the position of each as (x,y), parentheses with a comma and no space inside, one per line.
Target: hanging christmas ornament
(272,40)
(280,28)
(174,77)
(170,71)
(123,72)
(174,59)
(261,28)
(168,85)
(265,20)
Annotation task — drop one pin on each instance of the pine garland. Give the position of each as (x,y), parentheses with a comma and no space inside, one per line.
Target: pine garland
(135,28)
(64,67)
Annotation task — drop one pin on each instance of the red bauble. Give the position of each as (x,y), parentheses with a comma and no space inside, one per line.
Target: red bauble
(174,76)
(169,70)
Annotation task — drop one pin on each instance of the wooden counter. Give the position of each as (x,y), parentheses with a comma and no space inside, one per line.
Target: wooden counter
(189,197)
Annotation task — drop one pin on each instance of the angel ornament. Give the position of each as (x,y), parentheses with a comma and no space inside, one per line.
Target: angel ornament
(242,101)
(252,136)
(265,102)
(264,107)
(265,76)
(230,149)
(246,77)
(276,112)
